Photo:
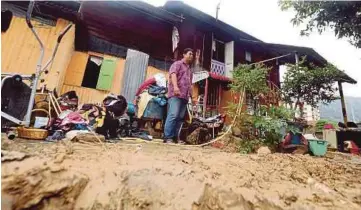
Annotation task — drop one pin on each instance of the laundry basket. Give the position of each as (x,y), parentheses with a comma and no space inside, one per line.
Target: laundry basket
(32,133)
(318,147)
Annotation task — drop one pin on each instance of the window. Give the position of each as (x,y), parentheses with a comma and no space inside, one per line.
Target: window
(99,73)
(6,17)
(92,70)
(218,50)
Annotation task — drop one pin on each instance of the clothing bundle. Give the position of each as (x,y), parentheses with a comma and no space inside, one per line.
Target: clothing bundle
(151,98)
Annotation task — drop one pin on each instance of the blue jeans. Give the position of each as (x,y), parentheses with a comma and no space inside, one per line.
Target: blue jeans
(176,111)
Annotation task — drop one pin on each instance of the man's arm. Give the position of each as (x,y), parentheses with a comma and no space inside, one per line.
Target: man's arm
(173,77)
(174,69)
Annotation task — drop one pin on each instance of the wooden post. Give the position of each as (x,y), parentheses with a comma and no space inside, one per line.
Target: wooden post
(205,99)
(343,105)
(219,97)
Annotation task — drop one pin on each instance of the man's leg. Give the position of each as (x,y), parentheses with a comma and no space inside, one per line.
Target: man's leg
(172,116)
(180,118)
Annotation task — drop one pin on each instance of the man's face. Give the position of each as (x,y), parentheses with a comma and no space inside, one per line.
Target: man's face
(188,57)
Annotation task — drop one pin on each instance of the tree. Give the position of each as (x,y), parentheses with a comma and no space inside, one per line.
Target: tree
(309,84)
(344,17)
(266,125)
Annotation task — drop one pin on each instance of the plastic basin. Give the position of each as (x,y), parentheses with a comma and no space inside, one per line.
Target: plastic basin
(318,147)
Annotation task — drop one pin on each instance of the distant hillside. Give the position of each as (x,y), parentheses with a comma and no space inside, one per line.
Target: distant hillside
(333,110)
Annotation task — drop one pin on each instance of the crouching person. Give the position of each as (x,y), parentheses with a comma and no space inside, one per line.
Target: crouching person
(294,143)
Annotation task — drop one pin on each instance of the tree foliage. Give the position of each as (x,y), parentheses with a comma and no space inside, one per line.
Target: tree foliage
(343,17)
(310,84)
(251,78)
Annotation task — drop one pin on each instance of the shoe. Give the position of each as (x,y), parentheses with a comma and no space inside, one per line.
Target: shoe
(168,141)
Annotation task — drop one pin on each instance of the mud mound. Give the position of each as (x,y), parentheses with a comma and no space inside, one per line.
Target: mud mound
(153,176)
(32,184)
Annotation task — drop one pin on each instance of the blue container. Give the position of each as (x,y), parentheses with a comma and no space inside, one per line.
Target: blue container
(318,147)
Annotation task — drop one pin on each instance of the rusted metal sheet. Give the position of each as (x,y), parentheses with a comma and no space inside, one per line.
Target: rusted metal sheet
(134,73)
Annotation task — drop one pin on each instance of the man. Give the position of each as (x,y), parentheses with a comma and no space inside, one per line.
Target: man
(179,91)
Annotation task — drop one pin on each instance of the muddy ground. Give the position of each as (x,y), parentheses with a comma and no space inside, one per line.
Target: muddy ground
(154,176)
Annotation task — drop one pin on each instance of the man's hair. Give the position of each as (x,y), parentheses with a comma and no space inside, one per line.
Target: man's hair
(185,51)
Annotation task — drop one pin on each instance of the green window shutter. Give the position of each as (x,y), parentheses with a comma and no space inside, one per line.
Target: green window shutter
(106,74)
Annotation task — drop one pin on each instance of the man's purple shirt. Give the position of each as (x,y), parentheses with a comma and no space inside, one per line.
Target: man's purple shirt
(184,79)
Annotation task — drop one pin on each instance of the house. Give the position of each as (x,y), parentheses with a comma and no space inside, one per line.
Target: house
(94,57)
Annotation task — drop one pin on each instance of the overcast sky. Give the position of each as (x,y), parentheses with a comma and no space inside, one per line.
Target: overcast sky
(265,20)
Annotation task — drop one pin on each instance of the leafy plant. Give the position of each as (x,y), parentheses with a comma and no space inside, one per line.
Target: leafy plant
(268,124)
(344,17)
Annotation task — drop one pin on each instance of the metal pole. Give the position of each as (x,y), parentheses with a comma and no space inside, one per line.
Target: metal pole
(343,104)
(38,66)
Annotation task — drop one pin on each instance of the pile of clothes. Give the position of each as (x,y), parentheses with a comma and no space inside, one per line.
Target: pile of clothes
(151,98)
(102,119)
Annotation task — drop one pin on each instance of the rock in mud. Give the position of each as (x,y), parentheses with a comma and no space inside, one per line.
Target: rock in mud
(141,193)
(12,155)
(40,187)
(236,131)
(216,199)
(263,151)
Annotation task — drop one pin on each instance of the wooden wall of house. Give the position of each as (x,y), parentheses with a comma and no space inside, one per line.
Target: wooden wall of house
(75,73)
(20,49)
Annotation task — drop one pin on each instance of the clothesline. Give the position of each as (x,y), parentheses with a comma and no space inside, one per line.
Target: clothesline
(271,59)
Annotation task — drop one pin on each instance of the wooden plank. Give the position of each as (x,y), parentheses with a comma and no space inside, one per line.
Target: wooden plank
(86,95)
(75,72)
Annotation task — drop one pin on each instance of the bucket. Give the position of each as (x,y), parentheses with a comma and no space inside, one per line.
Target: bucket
(318,147)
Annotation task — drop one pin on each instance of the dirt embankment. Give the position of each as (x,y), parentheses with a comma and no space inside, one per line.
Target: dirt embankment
(149,176)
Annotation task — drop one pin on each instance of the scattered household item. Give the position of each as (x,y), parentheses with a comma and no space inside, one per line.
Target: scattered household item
(89,137)
(68,101)
(318,147)
(11,134)
(71,134)
(351,147)
(330,136)
(32,133)
(41,122)
(57,135)
(309,136)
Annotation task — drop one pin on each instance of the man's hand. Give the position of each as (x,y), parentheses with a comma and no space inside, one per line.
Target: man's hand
(176,91)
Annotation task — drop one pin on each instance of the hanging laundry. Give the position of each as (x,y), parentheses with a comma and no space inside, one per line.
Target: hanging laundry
(175,38)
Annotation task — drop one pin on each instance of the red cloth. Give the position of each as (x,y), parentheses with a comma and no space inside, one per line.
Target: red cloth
(146,84)
(354,149)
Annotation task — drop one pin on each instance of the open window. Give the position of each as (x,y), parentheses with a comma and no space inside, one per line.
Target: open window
(99,73)
(92,70)
(218,50)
